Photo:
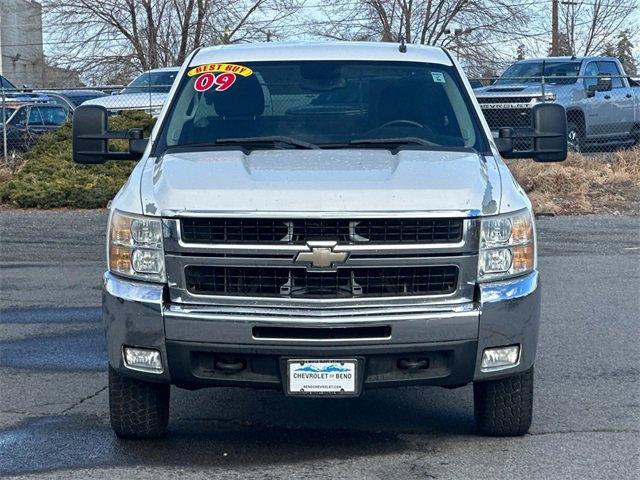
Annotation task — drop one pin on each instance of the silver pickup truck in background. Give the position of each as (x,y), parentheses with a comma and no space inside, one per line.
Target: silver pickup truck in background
(322,219)
(602,103)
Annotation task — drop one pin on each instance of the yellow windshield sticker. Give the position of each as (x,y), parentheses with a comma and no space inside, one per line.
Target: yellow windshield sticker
(222,68)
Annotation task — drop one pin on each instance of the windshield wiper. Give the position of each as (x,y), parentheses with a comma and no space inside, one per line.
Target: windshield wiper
(394,141)
(275,139)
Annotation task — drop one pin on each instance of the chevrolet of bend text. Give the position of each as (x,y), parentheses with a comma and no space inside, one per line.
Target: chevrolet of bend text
(321,219)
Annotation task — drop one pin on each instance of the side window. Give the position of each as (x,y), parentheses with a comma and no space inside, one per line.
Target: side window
(20,118)
(590,74)
(610,68)
(35,118)
(53,116)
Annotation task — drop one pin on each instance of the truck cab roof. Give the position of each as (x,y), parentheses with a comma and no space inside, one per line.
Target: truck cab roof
(566,59)
(376,51)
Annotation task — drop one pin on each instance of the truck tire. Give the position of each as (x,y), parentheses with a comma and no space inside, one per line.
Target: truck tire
(575,138)
(137,409)
(504,407)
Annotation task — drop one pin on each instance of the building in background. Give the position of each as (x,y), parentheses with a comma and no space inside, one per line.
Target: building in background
(21,53)
(59,77)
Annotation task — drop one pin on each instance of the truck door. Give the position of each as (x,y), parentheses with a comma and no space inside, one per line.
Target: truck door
(596,109)
(621,115)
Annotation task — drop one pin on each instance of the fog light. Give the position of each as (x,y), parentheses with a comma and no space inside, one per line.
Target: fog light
(142,359)
(499,358)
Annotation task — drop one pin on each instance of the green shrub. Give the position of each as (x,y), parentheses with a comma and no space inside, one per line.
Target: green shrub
(50,179)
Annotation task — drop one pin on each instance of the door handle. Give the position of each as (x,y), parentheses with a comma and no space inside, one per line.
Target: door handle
(607,97)
(628,95)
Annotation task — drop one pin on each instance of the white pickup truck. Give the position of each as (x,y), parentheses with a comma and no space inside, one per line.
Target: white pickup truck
(322,219)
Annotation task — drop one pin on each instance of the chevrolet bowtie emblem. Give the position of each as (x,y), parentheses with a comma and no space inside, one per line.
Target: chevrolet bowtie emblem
(321,255)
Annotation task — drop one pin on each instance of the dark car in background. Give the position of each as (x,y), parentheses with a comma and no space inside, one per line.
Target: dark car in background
(70,99)
(30,121)
(6,84)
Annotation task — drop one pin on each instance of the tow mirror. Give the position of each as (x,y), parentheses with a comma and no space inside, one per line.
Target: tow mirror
(548,133)
(91,135)
(504,142)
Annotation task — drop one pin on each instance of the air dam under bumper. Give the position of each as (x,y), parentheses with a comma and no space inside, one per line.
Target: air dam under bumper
(216,346)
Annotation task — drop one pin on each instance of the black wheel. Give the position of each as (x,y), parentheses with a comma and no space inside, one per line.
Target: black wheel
(575,138)
(137,409)
(504,407)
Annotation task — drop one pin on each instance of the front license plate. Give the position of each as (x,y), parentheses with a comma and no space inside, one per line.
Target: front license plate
(317,377)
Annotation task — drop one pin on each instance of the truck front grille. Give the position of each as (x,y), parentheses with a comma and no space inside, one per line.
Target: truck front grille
(301,283)
(300,231)
(516,117)
(505,100)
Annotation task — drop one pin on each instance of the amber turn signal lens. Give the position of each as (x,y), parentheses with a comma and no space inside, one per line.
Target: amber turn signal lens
(521,229)
(523,257)
(120,230)
(119,258)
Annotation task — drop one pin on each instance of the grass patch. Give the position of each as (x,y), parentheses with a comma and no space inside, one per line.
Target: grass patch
(607,183)
(48,178)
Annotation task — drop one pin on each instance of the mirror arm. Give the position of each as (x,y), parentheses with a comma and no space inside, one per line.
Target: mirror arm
(133,134)
(114,155)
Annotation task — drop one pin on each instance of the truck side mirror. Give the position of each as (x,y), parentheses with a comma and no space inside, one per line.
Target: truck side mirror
(90,137)
(504,142)
(548,131)
(89,124)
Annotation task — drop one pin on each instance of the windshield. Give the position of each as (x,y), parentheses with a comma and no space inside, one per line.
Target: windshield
(155,82)
(4,83)
(328,104)
(560,73)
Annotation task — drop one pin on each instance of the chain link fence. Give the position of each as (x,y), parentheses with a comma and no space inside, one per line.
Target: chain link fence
(603,112)
(27,115)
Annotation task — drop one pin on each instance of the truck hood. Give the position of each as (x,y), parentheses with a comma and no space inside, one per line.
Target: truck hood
(328,181)
(520,90)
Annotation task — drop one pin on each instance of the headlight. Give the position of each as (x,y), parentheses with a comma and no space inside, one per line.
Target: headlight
(135,247)
(507,246)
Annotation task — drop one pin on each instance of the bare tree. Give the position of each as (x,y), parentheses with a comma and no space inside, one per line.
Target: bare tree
(473,29)
(135,35)
(589,26)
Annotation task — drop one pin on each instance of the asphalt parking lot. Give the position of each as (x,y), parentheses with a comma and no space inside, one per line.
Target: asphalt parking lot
(53,399)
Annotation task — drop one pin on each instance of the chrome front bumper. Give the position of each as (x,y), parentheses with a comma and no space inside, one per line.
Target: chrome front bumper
(503,313)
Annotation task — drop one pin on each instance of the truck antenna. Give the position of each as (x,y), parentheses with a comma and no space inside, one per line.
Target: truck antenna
(403,46)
